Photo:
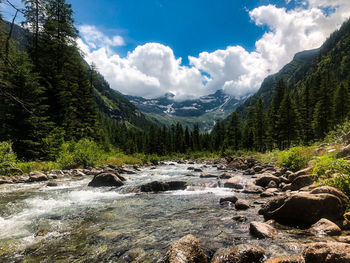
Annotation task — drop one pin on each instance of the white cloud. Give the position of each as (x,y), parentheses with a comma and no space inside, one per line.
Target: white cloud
(152,69)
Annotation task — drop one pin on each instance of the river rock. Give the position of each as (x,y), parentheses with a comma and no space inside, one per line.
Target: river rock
(333,191)
(208,175)
(234,182)
(53,184)
(186,250)
(269,192)
(198,170)
(37,177)
(265,179)
(322,252)
(297,174)
(272,184)
(262,230)
(283,260)
(226,176)
(325,227)
(239,254)
(106,179)
(163,186)
(231,199)
(241,204)
(344,239)
(345,151)
(302,181)
(5,180)
(303,208)
(253,189)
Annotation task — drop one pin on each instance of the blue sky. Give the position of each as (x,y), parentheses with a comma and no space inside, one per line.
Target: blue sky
(195,47)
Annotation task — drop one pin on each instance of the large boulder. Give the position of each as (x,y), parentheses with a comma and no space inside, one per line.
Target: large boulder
(330,252)
(333,191)
(106,179)
(297,174)
(265,179)
(239,254)
(262,230)
(303,208)
(234,182)
(157,186)
(186,250)
(37,177)
(302,181)
(325,227)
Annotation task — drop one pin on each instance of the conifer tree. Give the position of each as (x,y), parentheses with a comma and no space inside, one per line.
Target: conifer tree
(341,103)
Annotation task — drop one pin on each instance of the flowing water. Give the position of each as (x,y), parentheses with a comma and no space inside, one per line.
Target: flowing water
(76,223)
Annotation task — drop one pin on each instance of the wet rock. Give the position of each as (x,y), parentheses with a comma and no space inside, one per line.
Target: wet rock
(253,189)
(190,168)
(239,254)
(333,191)
(258,169)
(240,219)
(226,176)
(53,184)
(283,260)
(37,177)
(301,181)
(249,172)
(325,227)
(125,171)
(78,173)
(231,199)
(208,175)
(241,204)
(198,170)
(265,179)
(234,182)
(262,230)
(106,179)
(186,250)
(303,208)
(330,252)
(163,186)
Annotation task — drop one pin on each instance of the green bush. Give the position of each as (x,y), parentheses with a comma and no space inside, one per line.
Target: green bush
(83,153)
(340,181)
(327,165)
(7,158)
(295,159)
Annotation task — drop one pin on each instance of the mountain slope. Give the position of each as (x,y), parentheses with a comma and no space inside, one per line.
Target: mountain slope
(205,110)
(108,101)
(333,56)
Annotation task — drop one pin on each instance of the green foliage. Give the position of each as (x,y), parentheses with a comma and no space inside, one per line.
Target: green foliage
(7,158)
(83,153)
(340,181)
(295,159)
(328,165)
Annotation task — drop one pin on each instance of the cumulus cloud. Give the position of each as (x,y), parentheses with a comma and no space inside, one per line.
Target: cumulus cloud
(152,69)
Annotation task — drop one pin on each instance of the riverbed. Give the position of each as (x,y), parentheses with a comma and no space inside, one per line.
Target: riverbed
(76,223)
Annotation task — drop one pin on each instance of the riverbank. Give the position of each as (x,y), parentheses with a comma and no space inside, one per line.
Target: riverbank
(222,202)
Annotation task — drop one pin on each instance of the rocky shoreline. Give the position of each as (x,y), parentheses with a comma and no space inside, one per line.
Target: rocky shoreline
(287,198)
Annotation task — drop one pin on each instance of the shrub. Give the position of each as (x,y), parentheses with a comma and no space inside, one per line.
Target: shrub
(7,158)
(83,153)
(295,159)
(340,181)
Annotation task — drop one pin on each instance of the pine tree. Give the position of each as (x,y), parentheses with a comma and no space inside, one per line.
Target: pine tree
(233,136)
(341,103)
(287,124)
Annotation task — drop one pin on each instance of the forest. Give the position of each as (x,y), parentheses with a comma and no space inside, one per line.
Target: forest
(50,95)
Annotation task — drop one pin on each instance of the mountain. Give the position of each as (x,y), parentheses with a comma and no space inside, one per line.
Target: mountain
(290,73)
(205,110)
(333,56)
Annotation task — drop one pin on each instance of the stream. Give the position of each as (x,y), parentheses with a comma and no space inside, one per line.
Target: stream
(77,223)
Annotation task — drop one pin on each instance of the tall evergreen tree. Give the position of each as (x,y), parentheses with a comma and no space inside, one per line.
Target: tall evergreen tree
(341,103)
